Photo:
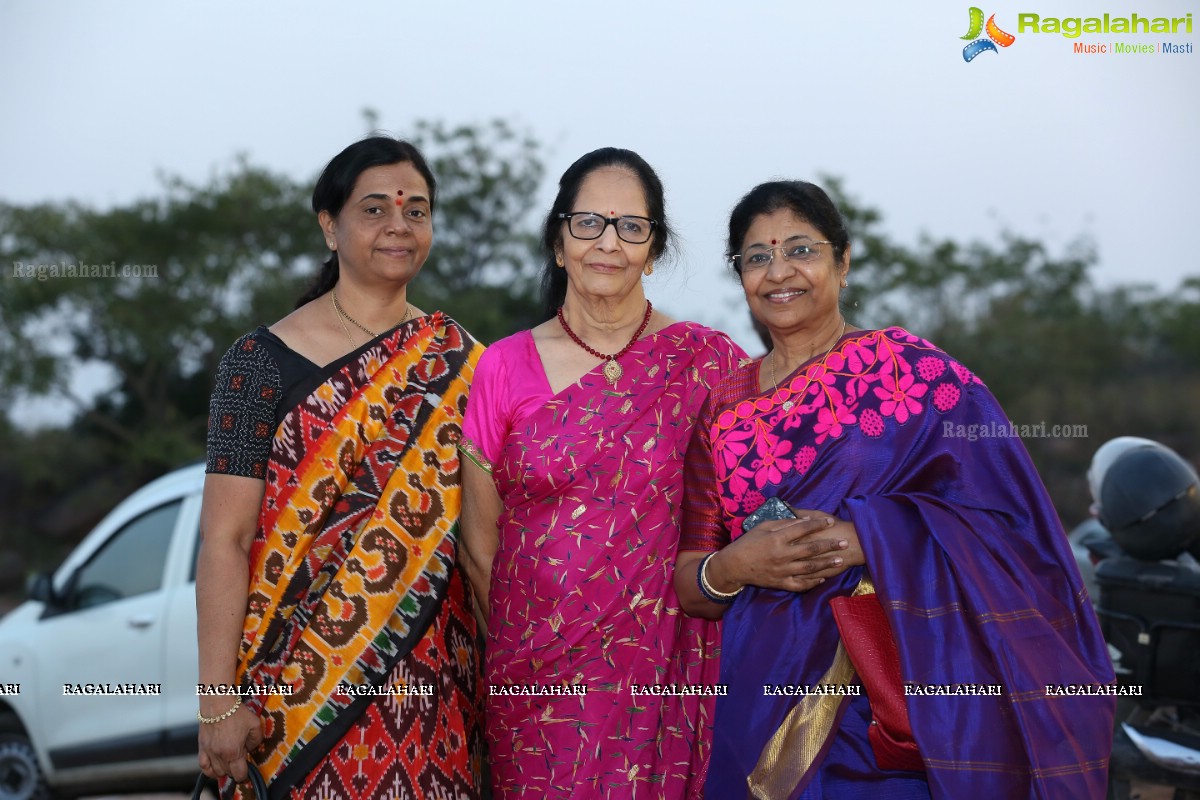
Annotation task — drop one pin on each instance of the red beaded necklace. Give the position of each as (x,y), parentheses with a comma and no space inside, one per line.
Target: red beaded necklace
(612,370)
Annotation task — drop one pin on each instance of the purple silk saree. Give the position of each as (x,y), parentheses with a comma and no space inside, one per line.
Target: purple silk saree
(581,591)
(967,556)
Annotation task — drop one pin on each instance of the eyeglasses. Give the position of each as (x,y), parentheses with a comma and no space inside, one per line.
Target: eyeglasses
(794,252)
(590,225)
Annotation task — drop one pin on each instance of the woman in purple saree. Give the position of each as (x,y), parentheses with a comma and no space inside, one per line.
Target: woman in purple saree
(576,433)
(908,459)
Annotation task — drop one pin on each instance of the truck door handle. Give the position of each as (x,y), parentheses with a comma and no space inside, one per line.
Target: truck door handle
(141,621)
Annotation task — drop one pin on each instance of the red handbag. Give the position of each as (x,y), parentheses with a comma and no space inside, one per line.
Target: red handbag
(871,647)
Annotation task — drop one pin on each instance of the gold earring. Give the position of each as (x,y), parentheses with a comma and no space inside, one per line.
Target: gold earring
(558,260)
(331,245)
(649,268)
(845,283)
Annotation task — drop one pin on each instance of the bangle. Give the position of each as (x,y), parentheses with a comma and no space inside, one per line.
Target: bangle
(237,703)
(706,588)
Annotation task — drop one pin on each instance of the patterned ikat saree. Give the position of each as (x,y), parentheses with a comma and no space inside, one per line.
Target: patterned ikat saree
(353,581)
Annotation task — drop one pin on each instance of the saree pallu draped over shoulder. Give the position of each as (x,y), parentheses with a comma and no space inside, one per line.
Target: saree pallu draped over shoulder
(356,608)
(970,565)
(582,593)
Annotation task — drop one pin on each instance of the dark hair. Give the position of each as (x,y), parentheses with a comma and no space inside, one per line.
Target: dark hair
(806,200)
(554,278)
(337,182)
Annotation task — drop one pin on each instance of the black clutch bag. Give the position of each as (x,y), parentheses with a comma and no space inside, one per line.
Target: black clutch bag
(256,780)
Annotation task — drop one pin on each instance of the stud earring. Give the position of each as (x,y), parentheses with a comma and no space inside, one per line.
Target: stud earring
(649,268)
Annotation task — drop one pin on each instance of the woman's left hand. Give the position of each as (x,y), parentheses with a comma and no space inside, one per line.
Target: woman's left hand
(843,532)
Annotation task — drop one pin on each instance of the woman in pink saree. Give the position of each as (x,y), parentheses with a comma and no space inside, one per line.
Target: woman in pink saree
(575,433)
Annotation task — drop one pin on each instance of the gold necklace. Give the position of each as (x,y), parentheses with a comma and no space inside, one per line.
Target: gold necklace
(787,404)
(342,322)
(343,317)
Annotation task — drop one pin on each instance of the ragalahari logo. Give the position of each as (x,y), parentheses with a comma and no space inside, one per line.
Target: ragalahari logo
(995,36)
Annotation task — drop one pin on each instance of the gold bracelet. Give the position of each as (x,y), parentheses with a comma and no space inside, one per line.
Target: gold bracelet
(237,703)
(707,589)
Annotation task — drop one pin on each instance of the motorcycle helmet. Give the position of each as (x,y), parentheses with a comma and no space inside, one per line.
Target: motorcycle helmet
(1149,499)
(1104,458)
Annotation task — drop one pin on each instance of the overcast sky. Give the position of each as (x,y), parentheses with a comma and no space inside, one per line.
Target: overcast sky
(99,96)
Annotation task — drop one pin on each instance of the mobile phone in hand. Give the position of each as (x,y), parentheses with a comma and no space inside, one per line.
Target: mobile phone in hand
(773,508)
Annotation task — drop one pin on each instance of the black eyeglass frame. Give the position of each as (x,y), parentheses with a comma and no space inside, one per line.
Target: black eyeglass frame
(565,216)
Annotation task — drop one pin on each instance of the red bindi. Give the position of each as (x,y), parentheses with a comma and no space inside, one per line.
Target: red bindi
(774,241)
(399,197)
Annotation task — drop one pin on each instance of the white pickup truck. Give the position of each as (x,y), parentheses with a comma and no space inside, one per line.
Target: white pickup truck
(98,667)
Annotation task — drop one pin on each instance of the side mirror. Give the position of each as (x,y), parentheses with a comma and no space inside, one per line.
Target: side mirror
(41,588)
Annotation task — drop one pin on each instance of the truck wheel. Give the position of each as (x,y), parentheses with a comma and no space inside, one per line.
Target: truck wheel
(20,776)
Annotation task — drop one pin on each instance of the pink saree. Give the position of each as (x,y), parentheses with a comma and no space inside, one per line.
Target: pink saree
(581,592)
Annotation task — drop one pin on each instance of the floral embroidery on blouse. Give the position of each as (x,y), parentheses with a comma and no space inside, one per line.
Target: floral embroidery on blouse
(886,377)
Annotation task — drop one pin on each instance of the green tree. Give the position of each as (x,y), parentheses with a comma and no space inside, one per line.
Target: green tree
(217,259)
(483,266)
(223,257)
(1049,343)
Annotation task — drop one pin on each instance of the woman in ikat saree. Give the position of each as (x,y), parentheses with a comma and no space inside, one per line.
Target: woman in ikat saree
(571,513)
(347,463)
(955,532)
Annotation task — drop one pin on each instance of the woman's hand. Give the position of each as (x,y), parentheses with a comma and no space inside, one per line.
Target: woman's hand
(847,535)
(793,555)
(225,744)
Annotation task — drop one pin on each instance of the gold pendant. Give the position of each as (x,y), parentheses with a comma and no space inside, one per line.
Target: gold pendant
(612,371)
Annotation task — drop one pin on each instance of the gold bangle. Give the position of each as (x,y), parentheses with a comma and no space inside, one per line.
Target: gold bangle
(237,703)
(708,589)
